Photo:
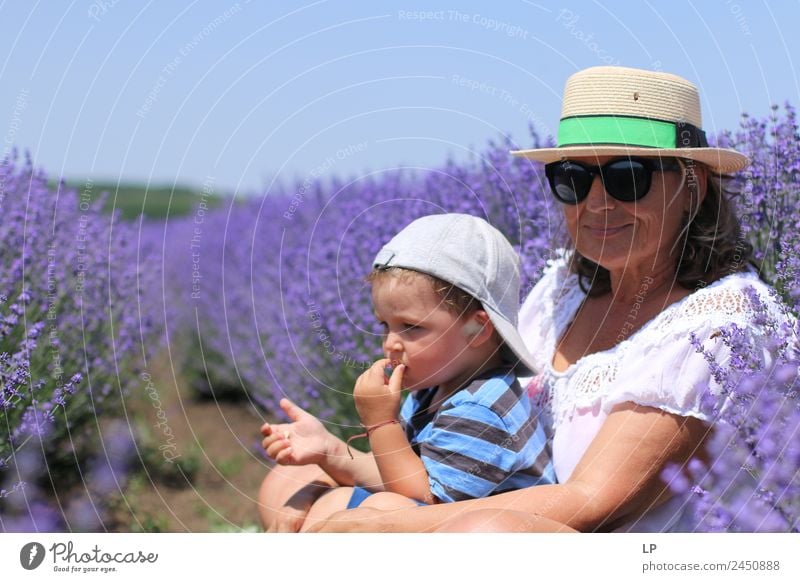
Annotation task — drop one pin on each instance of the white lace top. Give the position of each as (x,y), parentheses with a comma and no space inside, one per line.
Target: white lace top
(656,366)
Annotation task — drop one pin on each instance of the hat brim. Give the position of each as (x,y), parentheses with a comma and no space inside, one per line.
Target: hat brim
(525,365)
(719,160)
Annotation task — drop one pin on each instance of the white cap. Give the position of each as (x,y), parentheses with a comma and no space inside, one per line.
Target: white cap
(471,254)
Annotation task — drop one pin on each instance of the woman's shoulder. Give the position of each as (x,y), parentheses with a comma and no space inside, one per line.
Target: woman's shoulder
(740,297)
(673,362)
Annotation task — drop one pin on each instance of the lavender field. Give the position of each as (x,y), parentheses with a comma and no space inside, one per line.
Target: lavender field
(263,298)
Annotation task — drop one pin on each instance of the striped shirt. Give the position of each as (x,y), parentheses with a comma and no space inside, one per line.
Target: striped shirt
(483,440)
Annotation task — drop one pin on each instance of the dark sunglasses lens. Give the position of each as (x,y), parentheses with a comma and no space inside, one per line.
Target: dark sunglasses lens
(626,180)
(570,182)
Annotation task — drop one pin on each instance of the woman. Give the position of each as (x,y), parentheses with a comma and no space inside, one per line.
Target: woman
(655,257)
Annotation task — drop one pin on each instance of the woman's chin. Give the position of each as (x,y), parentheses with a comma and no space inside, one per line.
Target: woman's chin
(611,256)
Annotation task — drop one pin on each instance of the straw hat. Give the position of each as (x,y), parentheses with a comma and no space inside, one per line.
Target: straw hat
(619,111)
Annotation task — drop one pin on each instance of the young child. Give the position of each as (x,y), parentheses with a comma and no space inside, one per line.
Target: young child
(446,291)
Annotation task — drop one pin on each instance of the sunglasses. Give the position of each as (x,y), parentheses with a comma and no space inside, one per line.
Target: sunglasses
(625,179)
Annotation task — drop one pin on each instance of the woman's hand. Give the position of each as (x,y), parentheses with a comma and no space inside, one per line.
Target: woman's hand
(304,441)
(376,399)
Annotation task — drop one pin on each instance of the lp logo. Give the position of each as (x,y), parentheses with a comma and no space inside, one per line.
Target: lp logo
(31,555)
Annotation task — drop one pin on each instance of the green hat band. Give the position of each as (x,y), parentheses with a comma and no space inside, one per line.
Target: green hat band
(628,131)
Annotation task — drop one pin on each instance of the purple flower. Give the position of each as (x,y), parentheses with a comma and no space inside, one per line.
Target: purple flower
(70,291)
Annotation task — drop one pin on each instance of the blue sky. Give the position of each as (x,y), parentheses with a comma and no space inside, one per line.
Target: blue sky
(237,93)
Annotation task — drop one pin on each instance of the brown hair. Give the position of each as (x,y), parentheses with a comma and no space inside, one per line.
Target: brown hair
(453,298)
(712,244)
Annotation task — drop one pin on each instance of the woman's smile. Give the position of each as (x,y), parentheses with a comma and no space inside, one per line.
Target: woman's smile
(605,231)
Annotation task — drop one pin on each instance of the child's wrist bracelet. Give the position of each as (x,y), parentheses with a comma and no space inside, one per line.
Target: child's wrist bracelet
(368,431)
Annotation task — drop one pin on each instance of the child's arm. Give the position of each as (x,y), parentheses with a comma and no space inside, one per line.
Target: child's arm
(305,441)
(470,452)
(378,405)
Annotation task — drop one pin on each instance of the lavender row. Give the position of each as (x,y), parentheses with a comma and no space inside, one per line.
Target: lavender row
(71,344)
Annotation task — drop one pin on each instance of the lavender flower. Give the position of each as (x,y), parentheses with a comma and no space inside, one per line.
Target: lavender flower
(752,481)
(69,331)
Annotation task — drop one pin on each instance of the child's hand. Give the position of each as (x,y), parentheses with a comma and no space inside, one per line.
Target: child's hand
(376,400)
(304,441)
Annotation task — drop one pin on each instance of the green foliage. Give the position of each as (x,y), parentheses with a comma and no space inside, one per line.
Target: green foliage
(132,199)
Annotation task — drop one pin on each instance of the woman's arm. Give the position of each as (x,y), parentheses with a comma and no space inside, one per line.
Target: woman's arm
(617,479)
(620,473)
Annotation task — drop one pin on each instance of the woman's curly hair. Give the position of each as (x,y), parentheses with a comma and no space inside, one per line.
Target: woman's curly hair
(712,244)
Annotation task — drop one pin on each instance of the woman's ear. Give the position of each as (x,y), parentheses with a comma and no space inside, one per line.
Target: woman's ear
(478,328)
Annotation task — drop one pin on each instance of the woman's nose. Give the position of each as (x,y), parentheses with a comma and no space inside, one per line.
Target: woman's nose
(598,199)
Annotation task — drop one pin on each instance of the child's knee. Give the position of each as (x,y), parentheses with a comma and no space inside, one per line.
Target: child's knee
(331,502)
(334,500)
(386,500)
(287,493)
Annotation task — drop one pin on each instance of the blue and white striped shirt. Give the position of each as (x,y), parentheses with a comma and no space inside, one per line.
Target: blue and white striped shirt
(483,440)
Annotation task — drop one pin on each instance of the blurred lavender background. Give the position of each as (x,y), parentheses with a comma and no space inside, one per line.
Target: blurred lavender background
(264,297)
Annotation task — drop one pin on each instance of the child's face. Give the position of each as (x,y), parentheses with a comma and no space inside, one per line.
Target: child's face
(421,333)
